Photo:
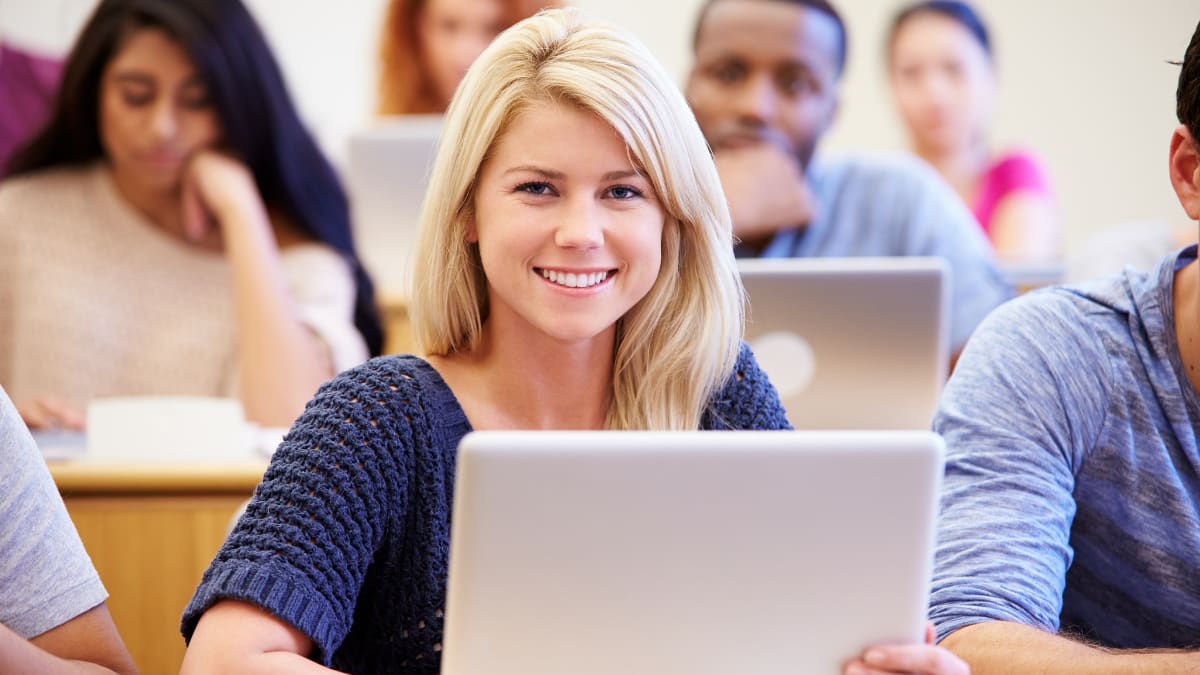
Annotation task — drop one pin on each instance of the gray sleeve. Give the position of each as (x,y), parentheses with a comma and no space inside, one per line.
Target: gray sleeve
(46,577)
(941,225)
(1025,404)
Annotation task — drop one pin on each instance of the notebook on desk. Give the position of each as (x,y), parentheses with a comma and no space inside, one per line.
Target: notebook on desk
(388,169)
(851,343)
(703,553)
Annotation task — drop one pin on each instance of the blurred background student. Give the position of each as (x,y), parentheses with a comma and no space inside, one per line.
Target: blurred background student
(427,46)
(174,228)
(944,84)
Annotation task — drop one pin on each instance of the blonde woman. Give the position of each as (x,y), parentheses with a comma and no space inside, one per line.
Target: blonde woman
(580,276)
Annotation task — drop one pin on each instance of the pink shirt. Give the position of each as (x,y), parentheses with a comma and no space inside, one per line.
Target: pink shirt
(1012,172)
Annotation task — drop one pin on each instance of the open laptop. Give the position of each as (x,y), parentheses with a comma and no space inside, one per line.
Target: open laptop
(697,553)
(851,343)
(387,175)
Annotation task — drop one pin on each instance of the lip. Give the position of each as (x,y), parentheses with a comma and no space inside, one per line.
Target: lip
(735,141)
(161,160)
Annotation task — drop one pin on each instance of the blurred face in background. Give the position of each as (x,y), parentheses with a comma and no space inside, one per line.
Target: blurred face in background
(155,112)
(451,34)
(765,72)
(942,81)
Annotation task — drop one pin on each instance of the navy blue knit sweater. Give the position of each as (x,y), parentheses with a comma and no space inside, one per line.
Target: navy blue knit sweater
(348,536)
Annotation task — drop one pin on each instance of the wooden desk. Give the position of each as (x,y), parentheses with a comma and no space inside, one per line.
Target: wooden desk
(151,531)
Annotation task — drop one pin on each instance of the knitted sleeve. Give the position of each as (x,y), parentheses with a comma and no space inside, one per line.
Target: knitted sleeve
(747,401)
(334,487)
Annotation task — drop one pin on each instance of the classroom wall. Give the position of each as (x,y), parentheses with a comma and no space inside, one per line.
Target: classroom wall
(1084,82)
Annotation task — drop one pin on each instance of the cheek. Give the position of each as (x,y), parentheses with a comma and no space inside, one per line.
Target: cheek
(201,129)
(117,125)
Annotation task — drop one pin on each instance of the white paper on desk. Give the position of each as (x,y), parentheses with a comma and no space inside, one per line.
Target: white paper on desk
(187,429)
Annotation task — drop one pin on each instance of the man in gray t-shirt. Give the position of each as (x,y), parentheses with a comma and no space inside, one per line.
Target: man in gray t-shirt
(1070,528)
(764,88)
(52,613)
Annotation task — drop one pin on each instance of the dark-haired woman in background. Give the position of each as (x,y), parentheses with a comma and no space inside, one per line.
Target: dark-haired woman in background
(943,80)
(174,229)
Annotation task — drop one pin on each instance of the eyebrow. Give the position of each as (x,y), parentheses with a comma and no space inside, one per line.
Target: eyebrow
(142,78)
(558,175)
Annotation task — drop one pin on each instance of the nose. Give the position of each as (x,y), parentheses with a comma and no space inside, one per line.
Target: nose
(754,101)
(582,225)
(164,120)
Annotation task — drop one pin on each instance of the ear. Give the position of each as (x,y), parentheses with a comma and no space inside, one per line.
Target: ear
(1185,171)
(472,231)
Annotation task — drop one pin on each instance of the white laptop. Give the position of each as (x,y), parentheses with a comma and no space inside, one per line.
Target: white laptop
(697,553)
(851,343)
(387,175)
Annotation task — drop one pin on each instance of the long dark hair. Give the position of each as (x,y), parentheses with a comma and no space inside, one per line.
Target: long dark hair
(260,124)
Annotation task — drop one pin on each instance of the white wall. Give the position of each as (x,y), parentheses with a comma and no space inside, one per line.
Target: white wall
(1084,82)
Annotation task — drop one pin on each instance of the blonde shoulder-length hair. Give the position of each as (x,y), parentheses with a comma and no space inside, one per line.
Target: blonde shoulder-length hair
(677,346)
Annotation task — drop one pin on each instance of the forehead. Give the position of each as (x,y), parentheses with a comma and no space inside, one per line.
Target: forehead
(153,50)
(933,32)
(545,129)
(769,31)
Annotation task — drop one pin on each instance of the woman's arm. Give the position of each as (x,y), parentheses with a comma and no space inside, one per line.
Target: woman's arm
(237,637)
(1025,228)
(281,362)
(89,643)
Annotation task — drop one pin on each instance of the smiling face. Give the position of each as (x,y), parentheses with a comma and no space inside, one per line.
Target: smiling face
(765,72)
(154,112)
(942,81)
(569,230)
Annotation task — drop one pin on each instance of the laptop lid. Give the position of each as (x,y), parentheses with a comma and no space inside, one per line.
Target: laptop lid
(387,174)
(851,343)
(694,553)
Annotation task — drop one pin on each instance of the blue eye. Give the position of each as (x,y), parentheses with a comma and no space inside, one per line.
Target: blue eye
(535,188)
(624,192)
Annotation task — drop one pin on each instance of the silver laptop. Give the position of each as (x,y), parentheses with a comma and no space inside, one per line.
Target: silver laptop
(387,175)
(697,553)
(851,343)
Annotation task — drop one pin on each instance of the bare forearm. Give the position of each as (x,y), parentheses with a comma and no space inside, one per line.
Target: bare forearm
(275,663)
(18,655)
(281,360)
(1003,647)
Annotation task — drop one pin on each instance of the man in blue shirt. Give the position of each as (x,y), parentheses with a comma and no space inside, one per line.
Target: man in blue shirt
(764,87)
(1069,539)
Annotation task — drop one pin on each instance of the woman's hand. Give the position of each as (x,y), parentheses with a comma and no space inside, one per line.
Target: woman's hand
(48,412)
(926,659)
(218,190)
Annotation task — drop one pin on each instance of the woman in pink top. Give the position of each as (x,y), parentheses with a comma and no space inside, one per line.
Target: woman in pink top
(943,80)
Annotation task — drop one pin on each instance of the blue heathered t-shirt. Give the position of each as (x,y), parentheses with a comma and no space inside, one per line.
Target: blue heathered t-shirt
(1072,492)
(894,205)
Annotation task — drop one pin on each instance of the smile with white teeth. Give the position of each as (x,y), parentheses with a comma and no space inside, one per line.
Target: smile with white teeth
(573,280)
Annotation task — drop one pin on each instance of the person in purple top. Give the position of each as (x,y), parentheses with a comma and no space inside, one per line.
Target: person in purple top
(1069,538)
(28,83)
(944,82)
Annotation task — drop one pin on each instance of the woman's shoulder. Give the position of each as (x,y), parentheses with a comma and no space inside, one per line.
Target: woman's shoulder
(390,389)
(1017,166)
(747,400)
(42,189)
